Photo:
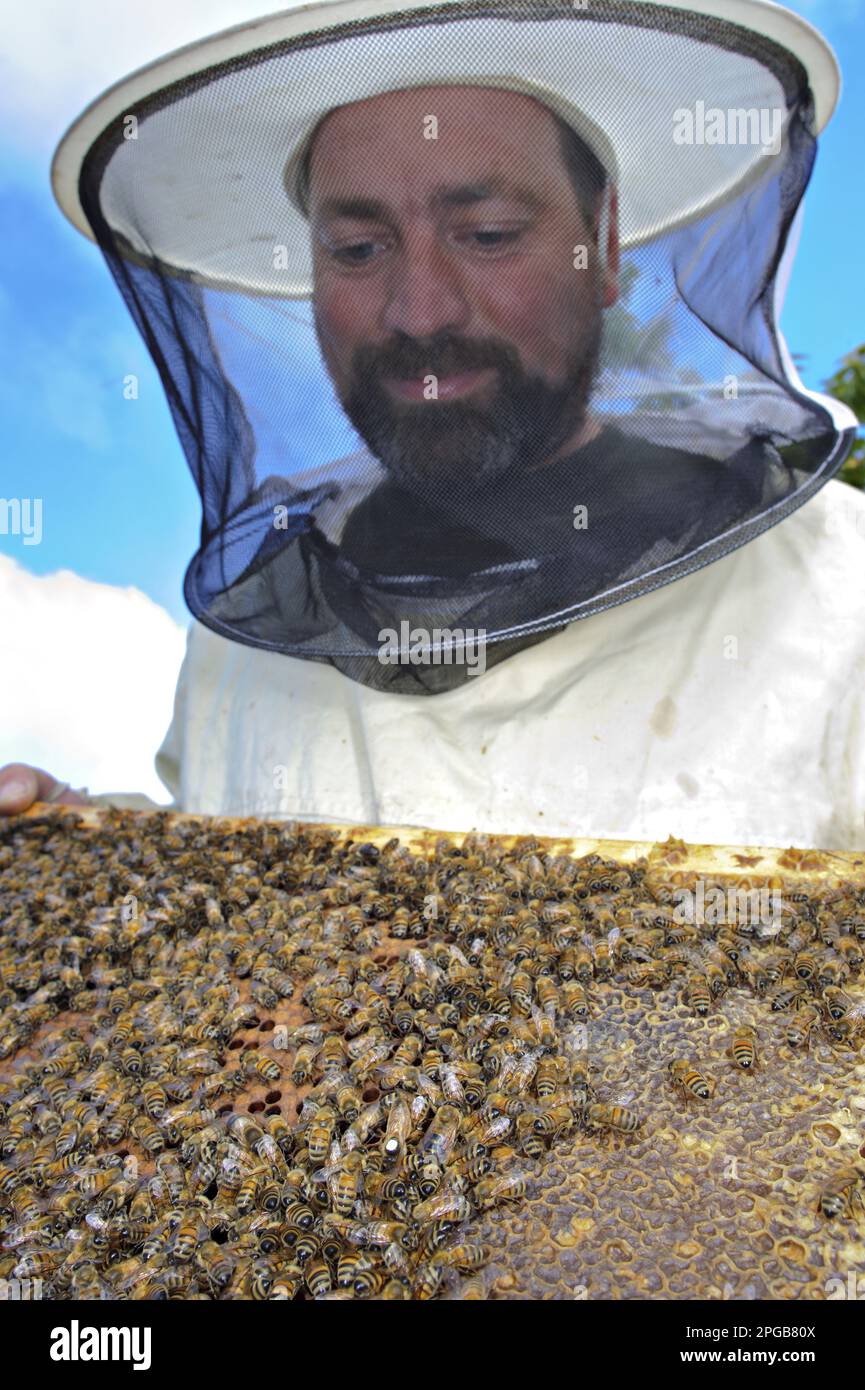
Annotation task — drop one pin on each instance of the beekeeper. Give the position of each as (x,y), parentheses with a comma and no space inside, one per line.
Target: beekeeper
(516,514)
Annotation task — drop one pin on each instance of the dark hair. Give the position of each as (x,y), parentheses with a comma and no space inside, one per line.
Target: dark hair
(586,172)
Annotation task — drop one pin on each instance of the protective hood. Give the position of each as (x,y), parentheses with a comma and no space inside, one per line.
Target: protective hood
(466,313)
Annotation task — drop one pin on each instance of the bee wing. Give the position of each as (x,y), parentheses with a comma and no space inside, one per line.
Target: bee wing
(268,1148)
(507,974)
(434,974)
(575,1041)
(18,1235)
(332,1083)
(429,1087)
(504,1179)
(399,1119)
(144,1271)
(498,1127)
(540,1016)
(456,1285)
(310,1109)
(695,957)
(417,961)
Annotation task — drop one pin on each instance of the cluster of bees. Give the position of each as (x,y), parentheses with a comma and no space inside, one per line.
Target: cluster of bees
(439,1008)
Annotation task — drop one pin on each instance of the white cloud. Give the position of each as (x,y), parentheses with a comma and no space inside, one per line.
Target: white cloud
(89,672)
(61,54)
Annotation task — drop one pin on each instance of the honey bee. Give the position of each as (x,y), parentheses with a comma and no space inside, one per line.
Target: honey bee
(320,1133)
(248,1192)
(216,1263)
(554,1120)
(545,1030)
(304,1060)
(348,1102)
(548,1077)
(801,1027)
(256,1064)
(790,997)
(510,1186)
(427,1281)
(691,1081)
(449,1206)
(399,1125)
(838,1195)
(806,967)
(716,979)
(575,1001)
(489,1130)
(847,1028)
(614,1117)
(280,1131)
(755,973)
(835,1002)
(697,994)
(646,975)
(467,1256)
(851,952)
(743,1048)
(318,1277)
(154,1099)
(332,1056)
(441,1135)
(345,1182)
(518,1072)
(452,1086)
(400,923)
(186,1237)
(584,961)
(832,972)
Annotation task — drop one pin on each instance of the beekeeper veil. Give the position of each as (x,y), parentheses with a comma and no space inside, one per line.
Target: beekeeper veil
(466,313)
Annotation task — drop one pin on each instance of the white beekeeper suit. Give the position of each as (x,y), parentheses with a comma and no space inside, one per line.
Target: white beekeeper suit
(725,708)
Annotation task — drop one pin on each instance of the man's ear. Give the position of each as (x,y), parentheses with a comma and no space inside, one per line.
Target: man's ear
(607,230)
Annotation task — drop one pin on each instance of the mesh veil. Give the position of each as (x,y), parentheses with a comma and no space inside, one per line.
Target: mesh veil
(612,446)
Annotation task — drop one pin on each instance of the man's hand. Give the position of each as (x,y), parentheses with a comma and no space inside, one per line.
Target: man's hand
(21,785)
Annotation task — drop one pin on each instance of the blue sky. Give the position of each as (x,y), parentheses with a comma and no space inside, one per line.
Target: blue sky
(119,503)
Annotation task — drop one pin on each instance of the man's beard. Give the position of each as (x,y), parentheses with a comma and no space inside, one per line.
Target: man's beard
(440,447)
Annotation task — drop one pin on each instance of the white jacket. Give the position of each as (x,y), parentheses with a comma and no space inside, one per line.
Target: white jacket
(727,707)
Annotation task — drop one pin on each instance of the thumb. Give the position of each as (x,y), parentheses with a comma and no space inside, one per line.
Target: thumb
(19,788)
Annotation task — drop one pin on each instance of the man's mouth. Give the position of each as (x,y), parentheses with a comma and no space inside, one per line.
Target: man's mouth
(446,387)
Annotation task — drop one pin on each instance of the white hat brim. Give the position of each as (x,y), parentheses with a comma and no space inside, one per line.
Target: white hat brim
(220,222)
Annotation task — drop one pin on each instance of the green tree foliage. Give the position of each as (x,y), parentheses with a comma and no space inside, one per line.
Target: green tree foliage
(848,385)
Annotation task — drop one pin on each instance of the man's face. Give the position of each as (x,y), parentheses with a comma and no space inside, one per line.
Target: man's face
(460,337)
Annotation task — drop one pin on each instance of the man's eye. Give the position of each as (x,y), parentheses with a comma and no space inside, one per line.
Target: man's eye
(492,238)
(357,253)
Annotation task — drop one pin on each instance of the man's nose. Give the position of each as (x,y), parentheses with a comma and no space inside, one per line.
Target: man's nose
(425,295)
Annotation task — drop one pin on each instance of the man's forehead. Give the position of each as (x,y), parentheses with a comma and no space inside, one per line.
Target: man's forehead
(485,143)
